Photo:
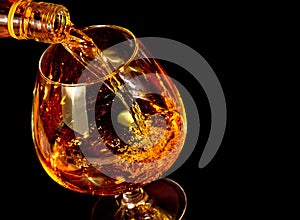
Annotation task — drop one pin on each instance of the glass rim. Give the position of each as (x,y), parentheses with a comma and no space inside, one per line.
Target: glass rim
(116,27)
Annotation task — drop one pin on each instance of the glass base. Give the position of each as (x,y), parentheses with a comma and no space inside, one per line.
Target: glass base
(163,199)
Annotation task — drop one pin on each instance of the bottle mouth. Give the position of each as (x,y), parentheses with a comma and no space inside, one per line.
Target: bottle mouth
(57,22)
(119,46)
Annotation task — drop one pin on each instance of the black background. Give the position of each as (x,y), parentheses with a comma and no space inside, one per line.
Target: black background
(233,185)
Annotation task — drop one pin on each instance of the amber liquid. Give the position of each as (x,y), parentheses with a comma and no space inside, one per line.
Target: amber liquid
(123,144)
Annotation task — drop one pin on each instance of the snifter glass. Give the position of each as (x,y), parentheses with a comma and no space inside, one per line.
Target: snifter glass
(111,131)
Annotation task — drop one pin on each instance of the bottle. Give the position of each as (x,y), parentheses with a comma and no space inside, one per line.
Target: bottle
(40,21)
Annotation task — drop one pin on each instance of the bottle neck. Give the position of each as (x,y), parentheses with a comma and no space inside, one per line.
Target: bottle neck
(40,21)
(4,10)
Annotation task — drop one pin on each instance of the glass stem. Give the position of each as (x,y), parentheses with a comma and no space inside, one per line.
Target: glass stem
(134,198)
(135,204)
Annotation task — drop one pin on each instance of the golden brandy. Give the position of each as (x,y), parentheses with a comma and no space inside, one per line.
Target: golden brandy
(106,135)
